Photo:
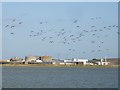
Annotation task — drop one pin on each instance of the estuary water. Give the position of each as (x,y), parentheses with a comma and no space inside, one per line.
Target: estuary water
(59,77)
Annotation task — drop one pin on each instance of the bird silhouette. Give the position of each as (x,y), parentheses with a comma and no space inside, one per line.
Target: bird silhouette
(67,36)
(14,20)
(75,21)
(12,26)
(7,26)
(12,33)
(20,22)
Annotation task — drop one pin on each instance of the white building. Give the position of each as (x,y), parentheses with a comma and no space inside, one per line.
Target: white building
(101,62)
(62,63)
(38,61)
(82,61)
(68,61)
(104,62)
(8,60)
(77,61)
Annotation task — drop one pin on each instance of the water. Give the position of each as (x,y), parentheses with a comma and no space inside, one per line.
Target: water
(59,77)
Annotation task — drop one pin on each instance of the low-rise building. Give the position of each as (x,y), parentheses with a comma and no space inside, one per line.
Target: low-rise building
(16,60)
(99,62)
(46,58)
(31,59)
(69,62)
(76,61)
(58,62)
(39,61)
(4,61)
(81,61)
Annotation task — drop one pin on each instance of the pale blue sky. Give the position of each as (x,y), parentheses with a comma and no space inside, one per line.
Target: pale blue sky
(1,31)
(54,18)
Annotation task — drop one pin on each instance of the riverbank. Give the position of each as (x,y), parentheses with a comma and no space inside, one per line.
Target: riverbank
(51,65)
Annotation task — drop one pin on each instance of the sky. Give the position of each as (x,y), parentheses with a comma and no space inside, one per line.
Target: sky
(0,29)
(62,30)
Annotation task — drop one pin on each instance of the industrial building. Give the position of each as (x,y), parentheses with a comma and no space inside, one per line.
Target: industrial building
(38,59)
(16,60)
(46,58)
(99,61)
(76,61)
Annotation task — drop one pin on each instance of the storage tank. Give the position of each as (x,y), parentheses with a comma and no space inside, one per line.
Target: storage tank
(46,58)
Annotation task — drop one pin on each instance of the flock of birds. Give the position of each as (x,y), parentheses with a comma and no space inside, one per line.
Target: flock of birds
(68,37)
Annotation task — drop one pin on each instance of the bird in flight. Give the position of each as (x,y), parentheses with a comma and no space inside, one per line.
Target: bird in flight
(12,33)
(12,26)
(20,22)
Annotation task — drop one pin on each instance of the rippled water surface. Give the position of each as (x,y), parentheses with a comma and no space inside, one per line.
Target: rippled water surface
(59,77)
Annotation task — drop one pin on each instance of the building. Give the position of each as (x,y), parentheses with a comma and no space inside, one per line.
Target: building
(57,62)
(46,58)
(38,59)
(76,61)
(81,61)
(4,61)
(99,62)
(69,62)
(31,59)
(36,62)
(16,60)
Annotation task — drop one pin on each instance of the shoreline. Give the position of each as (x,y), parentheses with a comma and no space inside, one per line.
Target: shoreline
(51,65)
